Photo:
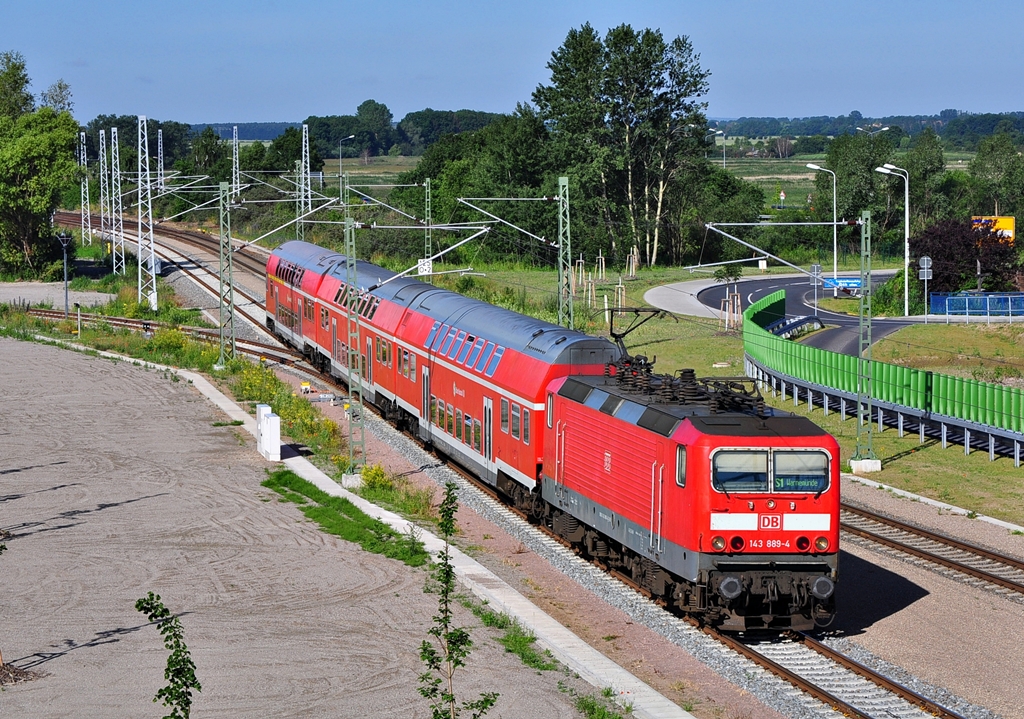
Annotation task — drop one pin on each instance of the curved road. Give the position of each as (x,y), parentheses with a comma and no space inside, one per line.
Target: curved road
(841,333)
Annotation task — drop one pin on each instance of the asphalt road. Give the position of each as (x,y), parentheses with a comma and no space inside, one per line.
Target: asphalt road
(842,331)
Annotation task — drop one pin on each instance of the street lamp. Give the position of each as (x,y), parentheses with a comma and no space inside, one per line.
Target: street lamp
(835,240)
(872,133)
(65,240)
(344,139)
(713,134)
(888,169)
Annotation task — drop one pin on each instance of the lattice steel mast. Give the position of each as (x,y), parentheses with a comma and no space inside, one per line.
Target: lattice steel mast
(428,245)
(304,204)
(86,213)
(104,189)
(236,178)
(160,159)
(117,228)
(227,279)
(356,431)
(865,388)
(565,305)
(147,253)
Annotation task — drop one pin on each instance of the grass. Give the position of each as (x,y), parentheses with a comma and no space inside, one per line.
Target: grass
(339,517)
(517,639)
(398,494)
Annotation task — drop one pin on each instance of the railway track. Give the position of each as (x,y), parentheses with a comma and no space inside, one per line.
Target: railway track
(248,259)
(250,347)
(1005,573)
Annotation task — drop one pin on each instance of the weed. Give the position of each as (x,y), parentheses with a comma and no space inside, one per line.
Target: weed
(972,514)
(397,494)
(520,641)
(593,708)
(1017,532)
(338,516)
(232,423)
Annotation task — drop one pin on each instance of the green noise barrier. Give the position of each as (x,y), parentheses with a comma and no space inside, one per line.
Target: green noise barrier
(956,397)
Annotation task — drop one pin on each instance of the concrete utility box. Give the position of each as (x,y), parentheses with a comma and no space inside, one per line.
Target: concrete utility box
(262,410)
(272,438)
(864,466)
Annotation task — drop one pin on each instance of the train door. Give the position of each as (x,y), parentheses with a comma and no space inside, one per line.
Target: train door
(488,427)
(657,497)
(299,311)
(277,305)
(368,363)
(334,338)
(425,402)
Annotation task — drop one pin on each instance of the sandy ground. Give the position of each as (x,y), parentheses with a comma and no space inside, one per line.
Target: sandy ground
(49,292)
(113,482)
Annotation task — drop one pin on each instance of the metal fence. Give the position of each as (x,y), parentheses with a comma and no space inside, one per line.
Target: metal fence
(977,304)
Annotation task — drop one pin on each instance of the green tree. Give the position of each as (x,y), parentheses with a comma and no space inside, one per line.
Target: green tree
(36,164)
(375,118)
(57,97)
(180,671)
(251,157)
(450,645)
(630,103)
(15,98)
(999,170)
(926,164)
(956,247)
(207,151)
(286,150)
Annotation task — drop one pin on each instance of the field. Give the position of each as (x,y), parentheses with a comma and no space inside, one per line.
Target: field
(373,170)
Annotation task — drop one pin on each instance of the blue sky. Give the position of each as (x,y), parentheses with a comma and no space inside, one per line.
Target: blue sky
(283,61)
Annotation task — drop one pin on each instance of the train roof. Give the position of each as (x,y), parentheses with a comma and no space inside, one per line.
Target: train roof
(604,394)
(513,330)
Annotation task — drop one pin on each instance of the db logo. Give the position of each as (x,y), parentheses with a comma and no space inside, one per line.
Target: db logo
(771,521)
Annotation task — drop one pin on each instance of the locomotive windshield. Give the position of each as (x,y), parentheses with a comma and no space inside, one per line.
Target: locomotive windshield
(744,471)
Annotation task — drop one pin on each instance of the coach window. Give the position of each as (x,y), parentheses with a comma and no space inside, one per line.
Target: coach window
(551,408)
(475,353)
(405,363)
(467,430)
(323,317)
(480,363)
(451,420)
(515,421)
(447,344)
(526,426)
(390,353)
(477,433)
(455,345)
(458,424)
(310,311)
(681,465)
(740,471)
(433,409)
(412,366)
(504,416)
(465,349)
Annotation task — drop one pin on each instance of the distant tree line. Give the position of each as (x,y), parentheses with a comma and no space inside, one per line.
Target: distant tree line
(958,130)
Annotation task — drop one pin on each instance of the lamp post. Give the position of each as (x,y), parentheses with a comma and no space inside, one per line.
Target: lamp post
(714,134)
(872,133)
(888,169)
(835,239)
(65,240)
(344,139)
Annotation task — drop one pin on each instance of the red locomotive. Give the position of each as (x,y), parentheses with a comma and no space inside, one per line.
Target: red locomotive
(709,500)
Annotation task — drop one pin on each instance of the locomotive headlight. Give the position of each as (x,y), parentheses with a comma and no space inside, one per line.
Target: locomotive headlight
(770,504)
(821,544)
(718,544)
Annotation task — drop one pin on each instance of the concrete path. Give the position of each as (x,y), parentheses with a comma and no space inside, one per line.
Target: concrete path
(49,292)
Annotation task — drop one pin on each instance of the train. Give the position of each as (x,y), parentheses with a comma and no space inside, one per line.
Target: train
(709,501)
